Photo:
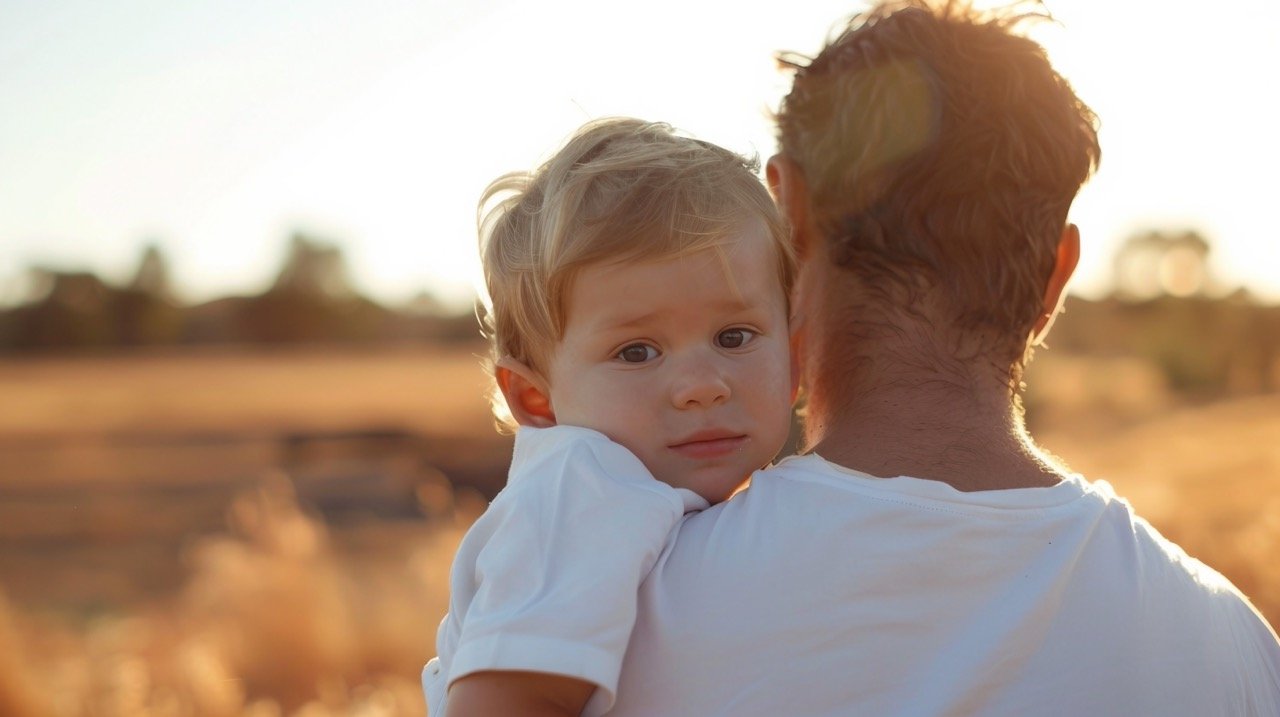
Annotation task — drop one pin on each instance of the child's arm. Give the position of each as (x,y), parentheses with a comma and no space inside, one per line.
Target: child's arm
(529,694)
(548,576)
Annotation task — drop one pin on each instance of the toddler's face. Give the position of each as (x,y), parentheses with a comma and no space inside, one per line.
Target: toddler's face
(684,361)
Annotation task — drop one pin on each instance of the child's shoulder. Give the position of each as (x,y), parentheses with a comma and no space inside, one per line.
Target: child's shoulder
(559,436)
(584,461)
(574,443)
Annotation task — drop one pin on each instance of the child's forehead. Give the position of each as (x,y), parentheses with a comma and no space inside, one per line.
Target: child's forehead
(743,248)
(744,263)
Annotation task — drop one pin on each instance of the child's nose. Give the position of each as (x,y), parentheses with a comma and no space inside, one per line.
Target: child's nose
(699,384)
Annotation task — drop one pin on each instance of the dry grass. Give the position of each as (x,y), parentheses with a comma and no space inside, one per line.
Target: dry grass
(133,606)
(434,391)
(273,619)
(273,611)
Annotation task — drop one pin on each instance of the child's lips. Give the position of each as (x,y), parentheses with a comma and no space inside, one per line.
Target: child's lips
(709,444)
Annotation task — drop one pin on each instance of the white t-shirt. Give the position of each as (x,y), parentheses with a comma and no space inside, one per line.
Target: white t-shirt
(823,591)
(546,579)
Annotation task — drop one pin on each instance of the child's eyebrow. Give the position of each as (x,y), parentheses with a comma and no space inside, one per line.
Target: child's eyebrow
(622,320)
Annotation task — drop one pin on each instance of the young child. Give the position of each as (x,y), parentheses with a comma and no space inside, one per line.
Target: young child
(639,284)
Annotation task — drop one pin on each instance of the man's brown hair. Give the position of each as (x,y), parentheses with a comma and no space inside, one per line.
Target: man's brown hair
(941,151)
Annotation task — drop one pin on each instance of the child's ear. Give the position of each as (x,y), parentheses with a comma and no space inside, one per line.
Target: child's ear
(526,392)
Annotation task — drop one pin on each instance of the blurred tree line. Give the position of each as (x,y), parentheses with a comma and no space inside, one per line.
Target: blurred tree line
(1165,307)
(311,301)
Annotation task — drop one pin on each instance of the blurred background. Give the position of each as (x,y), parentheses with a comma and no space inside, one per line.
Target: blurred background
(242,414)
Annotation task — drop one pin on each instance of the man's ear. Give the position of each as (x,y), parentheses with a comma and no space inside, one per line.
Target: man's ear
(526,392)
(797,356)
(791,192)
(1064,265)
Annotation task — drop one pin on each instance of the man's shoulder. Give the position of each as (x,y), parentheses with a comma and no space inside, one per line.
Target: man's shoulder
(1151,554)
(1196,576)
(787,485)
(1186,590)
(805,468)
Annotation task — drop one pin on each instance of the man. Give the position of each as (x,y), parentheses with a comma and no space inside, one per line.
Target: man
(924,557)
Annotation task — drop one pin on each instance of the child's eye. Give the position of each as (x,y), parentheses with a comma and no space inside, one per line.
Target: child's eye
(734,338)
(637,353)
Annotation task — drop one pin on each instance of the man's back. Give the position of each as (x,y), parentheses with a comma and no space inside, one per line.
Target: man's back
(822,591)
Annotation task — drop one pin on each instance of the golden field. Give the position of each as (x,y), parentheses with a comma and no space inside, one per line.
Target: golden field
(269,533)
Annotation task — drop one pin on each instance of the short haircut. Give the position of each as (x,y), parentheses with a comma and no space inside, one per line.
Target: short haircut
(619,190)
(941,150)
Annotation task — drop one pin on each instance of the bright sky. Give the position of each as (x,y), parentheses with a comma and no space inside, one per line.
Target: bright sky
(217,128)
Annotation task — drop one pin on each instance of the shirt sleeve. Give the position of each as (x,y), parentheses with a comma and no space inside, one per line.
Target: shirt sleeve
(563,551)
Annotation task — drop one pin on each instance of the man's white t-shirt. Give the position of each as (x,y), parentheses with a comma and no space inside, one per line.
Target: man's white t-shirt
(823,591)
(546,579)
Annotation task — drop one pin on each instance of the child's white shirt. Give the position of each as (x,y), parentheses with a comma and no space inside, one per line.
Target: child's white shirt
(546,579)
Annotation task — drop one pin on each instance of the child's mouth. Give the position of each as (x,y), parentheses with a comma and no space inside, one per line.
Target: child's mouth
(710,445)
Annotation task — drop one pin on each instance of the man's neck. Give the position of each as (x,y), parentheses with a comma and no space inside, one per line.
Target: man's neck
(897,392)
(933,434)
